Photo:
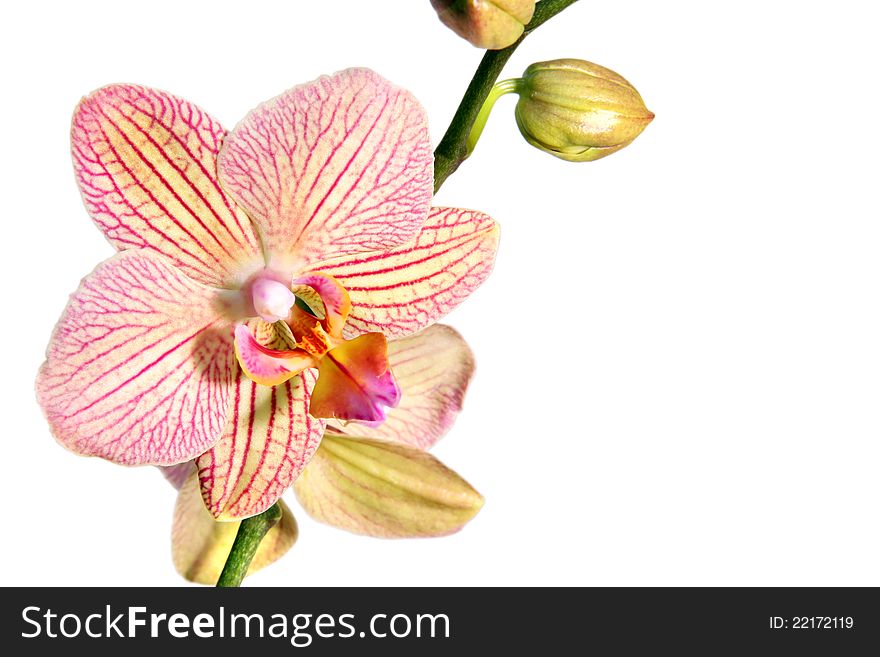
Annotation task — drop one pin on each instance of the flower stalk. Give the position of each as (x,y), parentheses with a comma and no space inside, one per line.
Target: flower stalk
(247,540)
(453,148)
(502,88)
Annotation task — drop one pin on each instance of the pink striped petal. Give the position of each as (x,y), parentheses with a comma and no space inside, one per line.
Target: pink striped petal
(268,442)
(433,369)
(337,166)
(139,368)
(146,163)
(401,291)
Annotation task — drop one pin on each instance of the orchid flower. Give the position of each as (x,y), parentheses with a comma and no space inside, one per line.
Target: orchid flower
(260,272)
(378,481)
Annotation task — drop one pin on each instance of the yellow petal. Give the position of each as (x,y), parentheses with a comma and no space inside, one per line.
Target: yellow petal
(384,489)
(200,544)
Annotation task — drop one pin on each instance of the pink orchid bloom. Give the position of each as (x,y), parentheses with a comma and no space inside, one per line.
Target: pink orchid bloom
(377,481)
(194,342)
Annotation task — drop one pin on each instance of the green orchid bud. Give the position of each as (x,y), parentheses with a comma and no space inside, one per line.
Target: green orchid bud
(578,111)
(490,24)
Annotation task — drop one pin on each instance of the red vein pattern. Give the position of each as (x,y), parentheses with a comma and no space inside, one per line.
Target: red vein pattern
(146,163)
(269,440)
(433,369)
(401,291)
(338,166)
(139,368)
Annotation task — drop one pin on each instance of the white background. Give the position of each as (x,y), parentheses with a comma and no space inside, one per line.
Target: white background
(679,349)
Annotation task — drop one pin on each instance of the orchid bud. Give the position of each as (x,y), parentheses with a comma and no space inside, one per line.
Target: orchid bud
(578,111)
(490,24)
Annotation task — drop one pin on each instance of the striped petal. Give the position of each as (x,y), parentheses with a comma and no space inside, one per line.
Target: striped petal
(146,163)
(200,544)
(433,369)
(337,166)
(401,291)
(384,489)
(268,442)
(139,368)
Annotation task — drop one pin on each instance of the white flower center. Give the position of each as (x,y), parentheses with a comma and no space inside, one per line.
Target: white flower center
(272,300)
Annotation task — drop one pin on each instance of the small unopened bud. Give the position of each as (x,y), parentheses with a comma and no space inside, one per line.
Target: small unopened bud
(490,24)
(578,111)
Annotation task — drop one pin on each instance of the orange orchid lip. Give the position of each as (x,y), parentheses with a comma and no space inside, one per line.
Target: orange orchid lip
(268,367)
(354,380)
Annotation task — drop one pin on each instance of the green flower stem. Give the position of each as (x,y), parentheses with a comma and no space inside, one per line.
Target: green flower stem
(500,89)
(453,148)
(250,532)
